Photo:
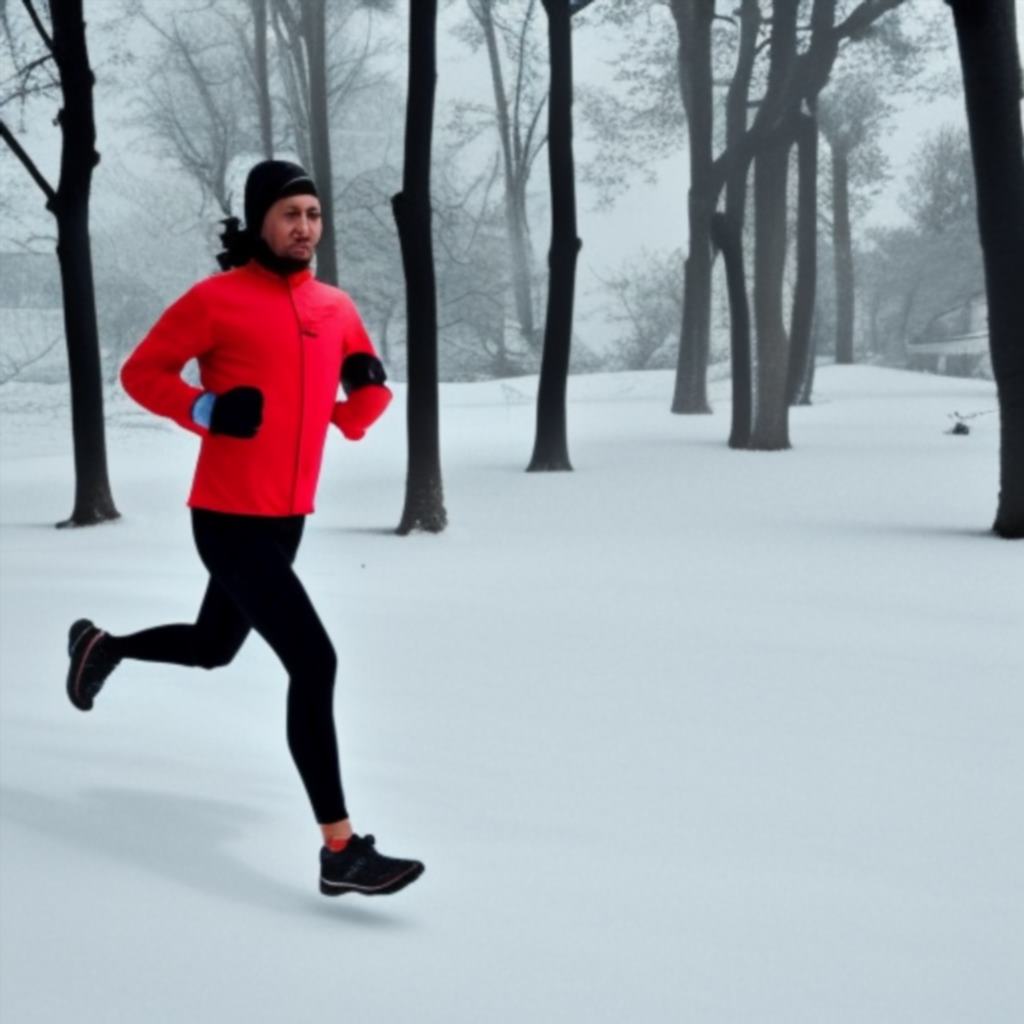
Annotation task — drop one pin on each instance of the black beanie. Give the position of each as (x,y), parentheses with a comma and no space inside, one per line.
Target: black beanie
(269,181)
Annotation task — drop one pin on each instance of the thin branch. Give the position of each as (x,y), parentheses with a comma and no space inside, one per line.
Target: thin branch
(343,88)
(521,60)
(863,16)
(23,92)
(26,71)
(37,21)
(532,128)
(10,367)
(37,177)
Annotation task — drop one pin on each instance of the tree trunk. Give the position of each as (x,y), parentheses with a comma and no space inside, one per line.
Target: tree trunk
(424,495)
(807,387)
(727,235)
(314,31)
(93,500)
(693,23)
(987,39)
(842,245)
(729,230)
(806,257)
(259,11)
(771,174)
(515,210)
(551,447)
(771,171)
(522,265)
(906,309)
(294,75)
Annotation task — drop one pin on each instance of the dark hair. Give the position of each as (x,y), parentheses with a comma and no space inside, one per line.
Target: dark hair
(238,245)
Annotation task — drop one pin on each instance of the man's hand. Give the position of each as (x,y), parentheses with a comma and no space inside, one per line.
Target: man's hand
(237,413)
(361,411)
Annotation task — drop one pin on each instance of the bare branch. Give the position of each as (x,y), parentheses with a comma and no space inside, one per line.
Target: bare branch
(37,21)
(37,177)
(863,16)
(24,73)
(531,155)
(520,73)
(11,367)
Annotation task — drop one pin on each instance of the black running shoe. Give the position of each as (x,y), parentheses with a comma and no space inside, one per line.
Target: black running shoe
(360,868)
(91,663)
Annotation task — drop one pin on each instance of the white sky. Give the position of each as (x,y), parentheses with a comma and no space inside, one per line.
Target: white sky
(647,216)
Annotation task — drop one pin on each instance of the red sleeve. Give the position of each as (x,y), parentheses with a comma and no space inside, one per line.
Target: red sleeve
(365,406)
(152,373)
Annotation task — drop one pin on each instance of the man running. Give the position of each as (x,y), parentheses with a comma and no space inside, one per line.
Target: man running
(272,344)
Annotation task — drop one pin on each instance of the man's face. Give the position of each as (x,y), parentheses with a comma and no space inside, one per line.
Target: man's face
(292,227)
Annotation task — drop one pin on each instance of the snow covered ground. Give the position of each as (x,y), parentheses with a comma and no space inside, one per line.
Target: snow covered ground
(685,735)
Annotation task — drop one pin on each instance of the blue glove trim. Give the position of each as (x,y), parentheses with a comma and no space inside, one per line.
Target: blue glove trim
(202,409)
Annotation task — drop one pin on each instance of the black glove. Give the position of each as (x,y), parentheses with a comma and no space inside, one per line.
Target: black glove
(237,413)
(360,369)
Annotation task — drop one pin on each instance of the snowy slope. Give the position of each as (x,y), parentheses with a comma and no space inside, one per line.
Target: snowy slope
(685,735)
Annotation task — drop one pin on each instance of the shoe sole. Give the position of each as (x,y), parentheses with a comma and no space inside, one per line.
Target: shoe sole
(395,885)
(76,635)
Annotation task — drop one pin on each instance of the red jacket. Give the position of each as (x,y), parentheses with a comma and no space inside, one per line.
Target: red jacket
(287,337)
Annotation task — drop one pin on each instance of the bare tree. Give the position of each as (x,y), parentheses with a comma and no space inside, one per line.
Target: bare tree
(197,105)
(796,77)
(847,117)
(852,114)
(645,300)
(314,31)
(65,43)
(727,226)
(473,276)
(324,65)
(261,74)
(518,105)
(987,40)
(700,68)
(909,273)
(693,20)
(227,69)
(805,288)
(424,493)
(551,444)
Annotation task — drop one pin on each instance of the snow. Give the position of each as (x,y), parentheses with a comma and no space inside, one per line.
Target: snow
(685,735)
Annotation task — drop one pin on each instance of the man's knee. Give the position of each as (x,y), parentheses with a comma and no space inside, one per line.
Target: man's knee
(327,662)
(319,663)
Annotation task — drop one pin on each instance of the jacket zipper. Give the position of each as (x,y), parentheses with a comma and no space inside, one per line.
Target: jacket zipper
(302,396)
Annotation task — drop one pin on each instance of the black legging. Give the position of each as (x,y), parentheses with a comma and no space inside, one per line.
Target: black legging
(253,586)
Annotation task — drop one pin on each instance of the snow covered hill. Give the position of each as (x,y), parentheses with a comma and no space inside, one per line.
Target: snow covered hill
(685,735)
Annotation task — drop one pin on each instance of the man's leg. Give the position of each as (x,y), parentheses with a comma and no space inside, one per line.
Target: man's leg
(211,641)
(251,559)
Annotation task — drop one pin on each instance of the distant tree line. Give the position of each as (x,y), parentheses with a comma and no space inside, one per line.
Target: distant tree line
(255,77)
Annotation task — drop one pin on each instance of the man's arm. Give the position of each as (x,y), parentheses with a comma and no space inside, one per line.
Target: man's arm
(152,373)
(362,377)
